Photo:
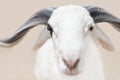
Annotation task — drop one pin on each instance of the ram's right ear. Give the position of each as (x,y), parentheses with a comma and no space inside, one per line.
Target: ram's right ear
(101,38)
(44,36)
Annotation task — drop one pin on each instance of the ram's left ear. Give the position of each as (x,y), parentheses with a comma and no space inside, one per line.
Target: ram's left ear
(100,37)
(44,36)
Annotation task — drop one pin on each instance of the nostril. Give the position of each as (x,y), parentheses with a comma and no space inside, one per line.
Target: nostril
(76,62)
(71,64)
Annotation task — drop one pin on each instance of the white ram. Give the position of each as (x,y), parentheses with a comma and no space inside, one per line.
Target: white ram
(67,45)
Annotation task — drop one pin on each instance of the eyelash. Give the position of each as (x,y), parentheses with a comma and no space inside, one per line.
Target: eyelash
(49,28)
(91,28)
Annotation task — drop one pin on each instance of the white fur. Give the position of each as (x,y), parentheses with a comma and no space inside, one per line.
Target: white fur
(47,69)
(71,39)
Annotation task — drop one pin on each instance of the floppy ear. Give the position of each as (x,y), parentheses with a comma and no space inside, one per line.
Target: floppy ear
(44,36)
(100,37)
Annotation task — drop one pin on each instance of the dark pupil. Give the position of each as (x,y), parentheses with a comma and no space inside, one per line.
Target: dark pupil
(49,28)
(91,28)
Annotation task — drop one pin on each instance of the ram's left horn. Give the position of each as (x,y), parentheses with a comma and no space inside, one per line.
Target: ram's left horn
(41,17)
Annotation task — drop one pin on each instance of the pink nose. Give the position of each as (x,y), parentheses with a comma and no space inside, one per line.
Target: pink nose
(71,64)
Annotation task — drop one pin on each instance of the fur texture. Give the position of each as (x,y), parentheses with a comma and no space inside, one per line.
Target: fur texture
(70,52)
(46,67)
(71,39)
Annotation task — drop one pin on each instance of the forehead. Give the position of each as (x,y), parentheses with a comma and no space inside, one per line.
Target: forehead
(70,15)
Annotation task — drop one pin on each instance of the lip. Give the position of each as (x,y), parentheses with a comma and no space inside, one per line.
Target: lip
(72,72)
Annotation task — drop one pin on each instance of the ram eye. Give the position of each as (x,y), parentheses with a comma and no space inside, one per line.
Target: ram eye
(91,28)
(49,28)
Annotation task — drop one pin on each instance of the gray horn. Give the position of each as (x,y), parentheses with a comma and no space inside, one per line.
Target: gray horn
(40,17)
(101,15)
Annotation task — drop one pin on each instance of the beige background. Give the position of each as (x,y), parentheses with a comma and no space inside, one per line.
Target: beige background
(17,63)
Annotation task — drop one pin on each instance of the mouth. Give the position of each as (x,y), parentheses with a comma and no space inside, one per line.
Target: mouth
(72,72)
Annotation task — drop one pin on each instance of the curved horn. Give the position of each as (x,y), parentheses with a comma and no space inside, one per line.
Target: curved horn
(101,15)
(41,17)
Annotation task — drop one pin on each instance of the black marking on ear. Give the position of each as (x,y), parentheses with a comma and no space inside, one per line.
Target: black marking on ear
(49,28)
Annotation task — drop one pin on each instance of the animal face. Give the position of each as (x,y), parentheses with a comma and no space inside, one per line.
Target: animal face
(71,27)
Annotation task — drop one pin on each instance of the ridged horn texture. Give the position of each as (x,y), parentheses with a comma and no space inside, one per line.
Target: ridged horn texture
(40,17)
(101,15)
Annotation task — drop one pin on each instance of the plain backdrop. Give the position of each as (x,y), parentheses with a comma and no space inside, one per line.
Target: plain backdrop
(17,63)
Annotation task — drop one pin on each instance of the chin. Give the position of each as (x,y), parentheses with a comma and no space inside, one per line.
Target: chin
(71,72)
